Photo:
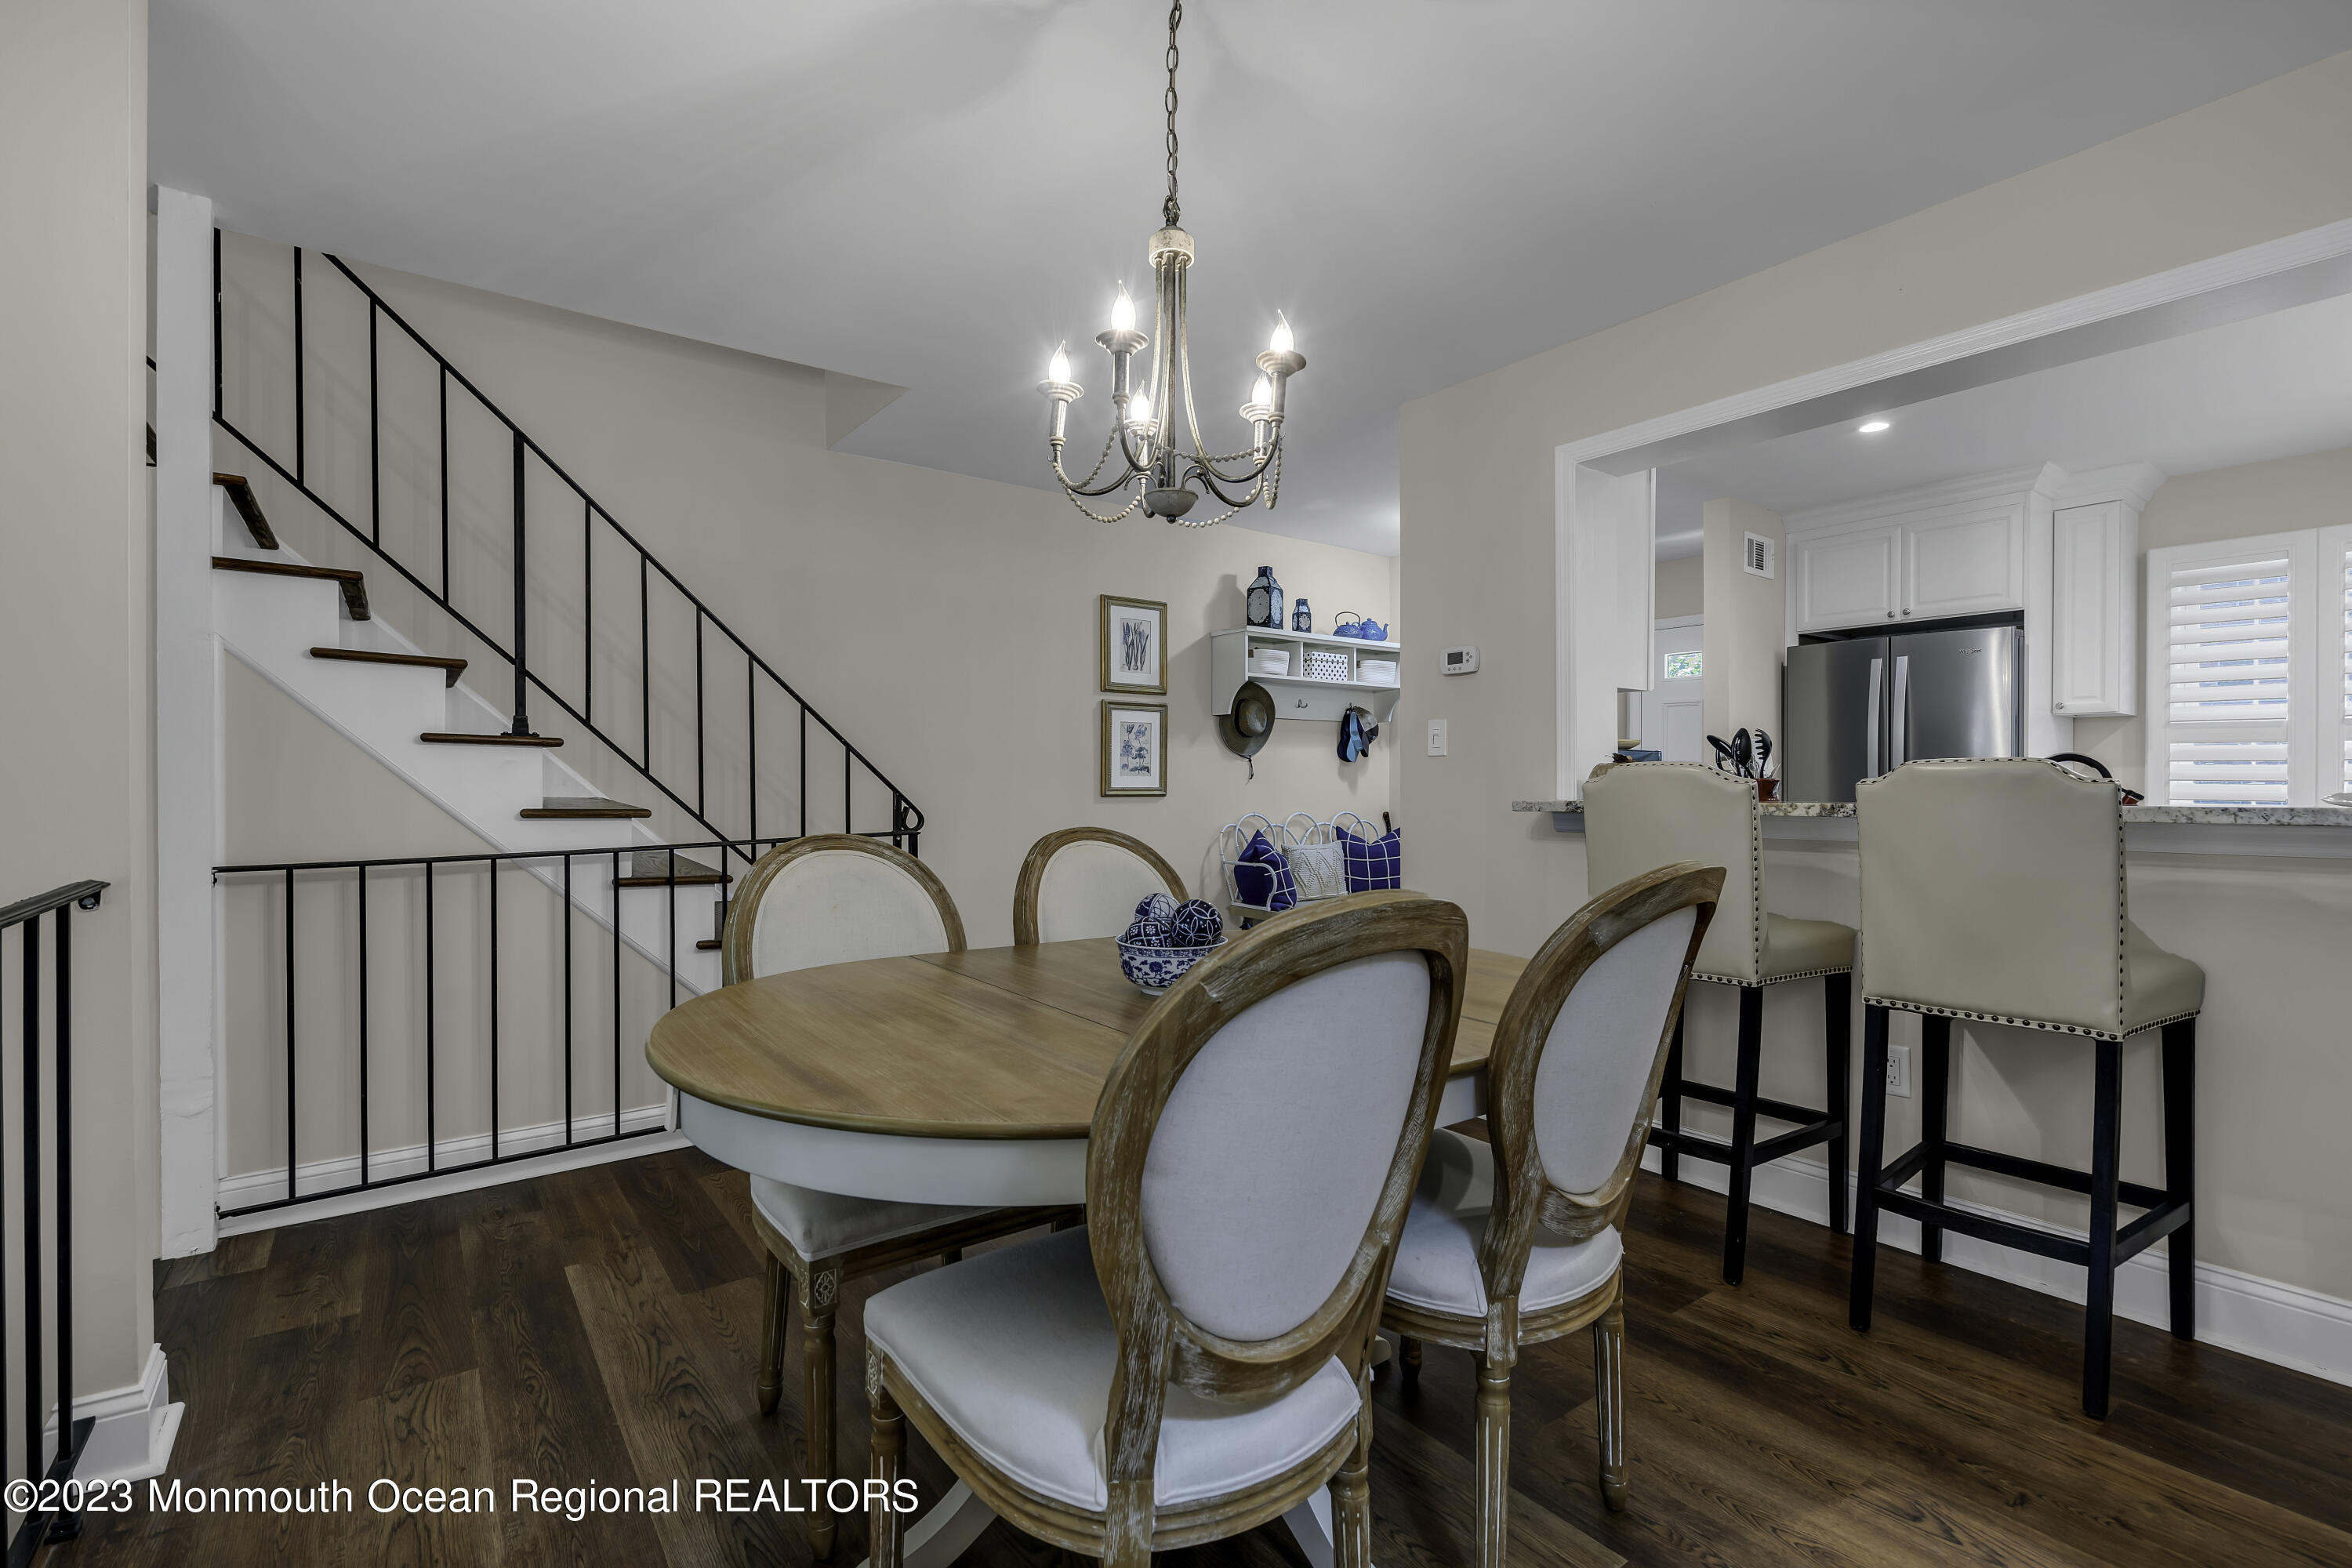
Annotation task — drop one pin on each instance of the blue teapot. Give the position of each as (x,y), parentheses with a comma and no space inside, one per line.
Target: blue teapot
(1359,627)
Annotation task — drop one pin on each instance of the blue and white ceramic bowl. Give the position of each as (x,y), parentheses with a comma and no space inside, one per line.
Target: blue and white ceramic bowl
(1155,968)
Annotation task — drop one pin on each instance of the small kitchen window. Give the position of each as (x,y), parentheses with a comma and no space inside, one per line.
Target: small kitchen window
(2249,669)
(1684,665)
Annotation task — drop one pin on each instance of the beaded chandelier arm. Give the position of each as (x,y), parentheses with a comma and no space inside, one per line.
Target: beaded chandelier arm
(1143,423)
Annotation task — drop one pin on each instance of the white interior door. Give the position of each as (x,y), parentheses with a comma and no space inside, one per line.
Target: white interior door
(1669,713)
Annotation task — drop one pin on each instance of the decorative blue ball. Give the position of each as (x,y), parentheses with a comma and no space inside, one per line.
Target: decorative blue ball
(1157,907)
(1148,932)
(1196,923)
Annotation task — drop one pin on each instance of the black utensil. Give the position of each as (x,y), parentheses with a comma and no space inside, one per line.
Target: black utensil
(1742,750)
(1722,749)
(1763,752)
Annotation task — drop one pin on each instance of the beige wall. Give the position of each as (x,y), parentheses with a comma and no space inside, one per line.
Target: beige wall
(1681,587)
(2314,490)
(1476,465)
(74,626)
(947,624)
(1748,627)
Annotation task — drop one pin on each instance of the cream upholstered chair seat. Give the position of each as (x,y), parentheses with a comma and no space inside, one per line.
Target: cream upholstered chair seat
(1015,1351)
(835,899)
(1515,1240)
(1437,1257)
(1196,1361)
(1794,949)
(820,1224)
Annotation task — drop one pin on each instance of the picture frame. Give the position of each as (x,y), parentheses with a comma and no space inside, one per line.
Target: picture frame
(1133,643)
(1134,748)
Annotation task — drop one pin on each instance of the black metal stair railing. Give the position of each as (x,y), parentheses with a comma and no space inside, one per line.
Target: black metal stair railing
(905,820)
(23,1311)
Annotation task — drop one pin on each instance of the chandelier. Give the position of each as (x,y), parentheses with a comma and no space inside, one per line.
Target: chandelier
(1144,430)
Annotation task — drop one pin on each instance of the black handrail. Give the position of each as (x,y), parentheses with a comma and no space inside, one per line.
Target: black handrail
(288,872)
(48,1519)
(906,818)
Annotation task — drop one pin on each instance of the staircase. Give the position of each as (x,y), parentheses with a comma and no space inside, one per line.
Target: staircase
(309,630)
(711,758)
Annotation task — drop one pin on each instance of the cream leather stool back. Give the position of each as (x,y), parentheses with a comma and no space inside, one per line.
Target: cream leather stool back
(1639,817)
(1994,889)
(1085,881)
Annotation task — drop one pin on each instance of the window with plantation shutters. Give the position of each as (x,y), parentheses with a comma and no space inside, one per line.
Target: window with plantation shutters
(2234,646)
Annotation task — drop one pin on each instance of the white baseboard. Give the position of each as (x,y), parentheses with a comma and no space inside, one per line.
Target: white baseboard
(2282,1324)
(545,1140)
(136,1426)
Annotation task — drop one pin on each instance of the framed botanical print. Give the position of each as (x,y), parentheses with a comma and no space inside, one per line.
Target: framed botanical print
(1134,748)
(1134,645)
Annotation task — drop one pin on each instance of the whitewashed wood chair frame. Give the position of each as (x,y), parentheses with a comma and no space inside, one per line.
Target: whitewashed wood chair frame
(817,1280)
(1525,1198)
(1159,1346)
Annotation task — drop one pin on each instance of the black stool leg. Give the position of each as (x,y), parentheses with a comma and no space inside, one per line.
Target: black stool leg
(2180,1169)
(1837,1010)
(1874,1154)
(1934,1114)
(1670,1098)
(2099,1313)
(1743,1133)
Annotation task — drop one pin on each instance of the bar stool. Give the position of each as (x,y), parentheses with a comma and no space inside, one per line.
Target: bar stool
(1994,890)
(1639,817)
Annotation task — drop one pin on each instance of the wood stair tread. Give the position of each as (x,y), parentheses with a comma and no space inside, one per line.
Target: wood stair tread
(650,869)
(466,738)
(249,506)
(452,667)
(353,584)
(567,806)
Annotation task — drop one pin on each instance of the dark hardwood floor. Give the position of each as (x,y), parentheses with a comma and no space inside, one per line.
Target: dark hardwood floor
(603,1325)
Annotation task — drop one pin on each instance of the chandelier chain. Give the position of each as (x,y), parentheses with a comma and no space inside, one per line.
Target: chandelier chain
(1169,209)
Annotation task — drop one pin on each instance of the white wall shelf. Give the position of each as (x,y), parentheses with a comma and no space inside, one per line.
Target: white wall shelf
(1297,695)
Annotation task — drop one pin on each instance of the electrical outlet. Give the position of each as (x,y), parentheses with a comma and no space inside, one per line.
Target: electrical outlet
(1437,737)
(1898,1071)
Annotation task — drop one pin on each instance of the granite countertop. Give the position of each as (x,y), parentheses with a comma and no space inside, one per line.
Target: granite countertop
(2219,815)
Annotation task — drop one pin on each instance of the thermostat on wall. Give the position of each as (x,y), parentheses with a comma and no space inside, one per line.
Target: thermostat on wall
(1458,661)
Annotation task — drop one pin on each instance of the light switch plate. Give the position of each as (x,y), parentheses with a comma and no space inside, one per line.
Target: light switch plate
(1437,737)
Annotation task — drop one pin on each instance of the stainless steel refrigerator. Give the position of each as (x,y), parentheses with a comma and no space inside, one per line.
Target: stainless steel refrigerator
(1853,710)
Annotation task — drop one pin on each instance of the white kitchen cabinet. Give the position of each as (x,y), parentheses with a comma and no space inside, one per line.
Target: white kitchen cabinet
(1964,565)
(1847,579)
(1959,548)
(2094,621)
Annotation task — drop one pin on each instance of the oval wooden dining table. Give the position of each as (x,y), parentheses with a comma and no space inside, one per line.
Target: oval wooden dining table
(951,1077)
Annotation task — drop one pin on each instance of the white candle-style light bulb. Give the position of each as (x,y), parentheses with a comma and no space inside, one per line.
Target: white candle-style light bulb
(1122,313)
(1138,410)
(1261,392)
(1059,370)
(1281,341)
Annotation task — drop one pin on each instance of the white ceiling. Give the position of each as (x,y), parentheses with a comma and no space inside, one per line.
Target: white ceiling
(934,193)
(2273,386)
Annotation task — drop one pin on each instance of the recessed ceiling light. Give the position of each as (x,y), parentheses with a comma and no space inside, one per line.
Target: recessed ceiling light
(1871,426)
